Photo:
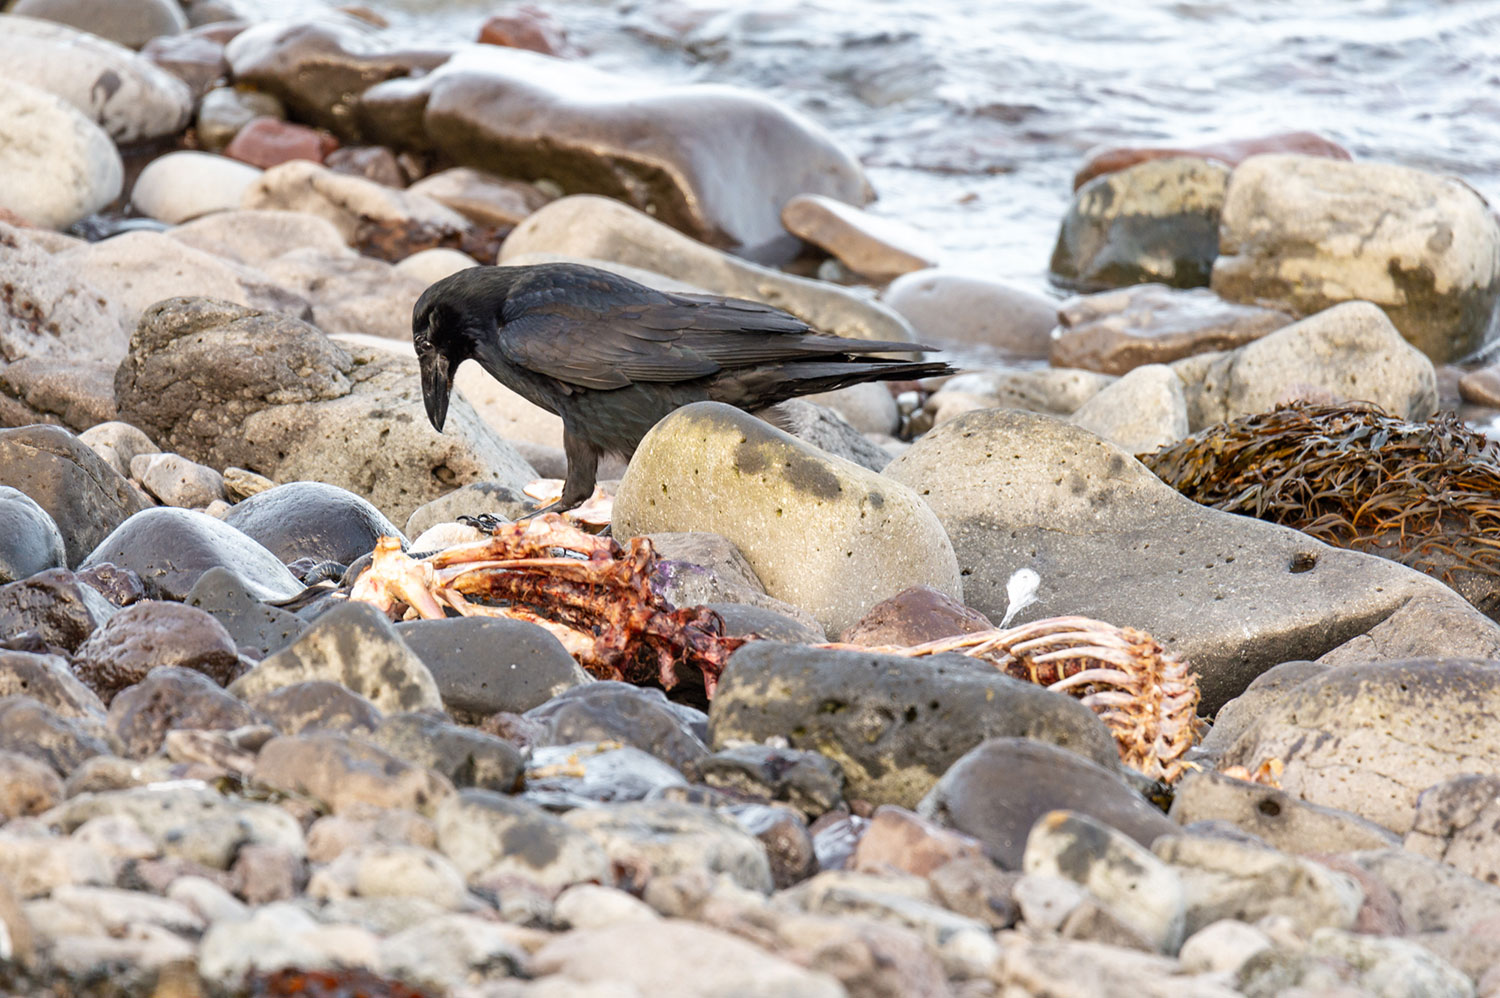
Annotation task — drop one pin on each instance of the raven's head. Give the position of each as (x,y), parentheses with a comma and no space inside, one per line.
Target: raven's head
(439,331)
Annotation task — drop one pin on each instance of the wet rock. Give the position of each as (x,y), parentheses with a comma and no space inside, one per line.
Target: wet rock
(1347,737)
(1308,233)
(60,166)
(893,724)
(171,697)
(195,57)
(1231,153)
(713,162)
(223,111)
(585,774)
(898,840)
(352,204)
(1117,331)
(1142,412)
(32,728)
(1225,879)
(185,185)
(1275,816)
(312,520)
(482,197)
(526,27)
(268,141)
(1000,789)
(125,94)
(149,635)
(1018,490)
(255,238)
(27,786)
(788,502)
(85,497)
(343,772)
(131,23)
(808,781)
(952,309)
(55,605)
(35,865)
(277,936)
(171,549)
(191,822)
(1156,222)
(499,841)
(318,67)
(649,839)
(612,711)
(591,229)
(1350,351)
(880,248)
(29,539)
(228,386)
(483,665)
(355,645)
(49,680)
(253,626)
(467,757)
(1455,823)
(176,481)
(317,705)
(375,163)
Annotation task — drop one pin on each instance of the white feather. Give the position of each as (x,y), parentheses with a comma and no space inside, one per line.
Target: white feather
(1020,592)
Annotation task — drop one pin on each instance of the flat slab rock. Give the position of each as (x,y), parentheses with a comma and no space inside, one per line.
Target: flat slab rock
(1233,595)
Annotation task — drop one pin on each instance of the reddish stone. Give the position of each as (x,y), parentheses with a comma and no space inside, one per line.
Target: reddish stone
(526,27)
(1101,161)
(913,616)
(375,163)
(266,142)
(898,839)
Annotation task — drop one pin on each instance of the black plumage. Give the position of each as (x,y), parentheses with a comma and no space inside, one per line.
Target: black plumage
(612,357)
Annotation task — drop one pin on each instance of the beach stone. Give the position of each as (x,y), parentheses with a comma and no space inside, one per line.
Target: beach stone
(1455,823)
(125,94)
(255,627)
(483,665)
(49,680)
(467,757)
(1350,351)
(375,163)
(77,394)
(1226,879)
(27,786)
(666,961)
(948,308)
(391,870)
(1115,332)
(59,165)
(85,497)
(898,840)
(783,833)
(829,432)
(1230,152)
(713,162)
(1020,490)
(649,839)
(1055,391)
(184,185)
(343,772)
(1266,690)
(808,781)
(1144,411)
(432,265)
(1222,947)
(223,111)
(1348,737)
(1390,966)
(334,834)
(352,204)
(196,56)
(34,866)
(699,568)
(586,774)
(881,248)
(1432,896)
(255,238)
(869,408)
(1306,233)
(999,789)
(526,27)
(171,697)
(171,549)
(355,645)
(149,635)
(1030,966)
(312,520)
(1137,888)
(176,481)
(449,951)
(591,229)
(482,197)
(497,840)
(351,294)
(782,506)
(1155,222)
(29,539)
(844,704)
(131,23)
(229,386)
(620,712)
(318,67)
(118,443)
(317,705)
(1278,818)
(268,141)
(282,935)
(56,605)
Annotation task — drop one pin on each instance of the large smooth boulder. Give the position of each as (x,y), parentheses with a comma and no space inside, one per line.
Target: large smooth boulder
(1304,232)
(821,533)
(130,22)
(1232,595)
(52,309)
(311,520)
(715,162)
(947,307)
(58,165)
(171,549)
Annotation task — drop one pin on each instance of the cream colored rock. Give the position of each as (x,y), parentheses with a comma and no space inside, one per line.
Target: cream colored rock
(350,293)
(57,164)
(1305,233)
(430,266)
(1143,411)
(256,237)
(481,197)
(821,533)
(135,270)
(867,244)
(184,185)
(346,201)
(948,307)
(80,326)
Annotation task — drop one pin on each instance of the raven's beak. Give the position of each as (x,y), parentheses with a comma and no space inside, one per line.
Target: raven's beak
(437,383)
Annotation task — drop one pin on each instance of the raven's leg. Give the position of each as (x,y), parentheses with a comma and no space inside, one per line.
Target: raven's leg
(583,468)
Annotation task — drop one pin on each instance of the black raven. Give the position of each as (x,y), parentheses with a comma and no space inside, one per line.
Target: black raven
(612,357)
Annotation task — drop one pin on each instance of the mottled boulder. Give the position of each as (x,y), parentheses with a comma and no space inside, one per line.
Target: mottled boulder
(78,394)
(951,308)
(315,705)
(1157,222)
(153,634)
(483,665)
(657,838)
(171,697)
(1232,595)
(714,162)
(311,520)
(467,757)
(498,840)
(345,773)
(1305,233)
(893,724)
(821,533)
(1279,818)
(59,165)
(29,538)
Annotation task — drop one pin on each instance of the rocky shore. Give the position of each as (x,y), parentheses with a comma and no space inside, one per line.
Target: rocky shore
(238,758)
